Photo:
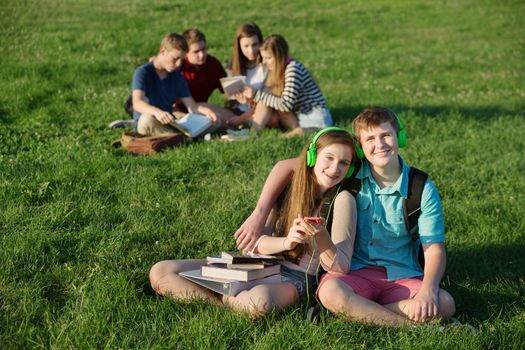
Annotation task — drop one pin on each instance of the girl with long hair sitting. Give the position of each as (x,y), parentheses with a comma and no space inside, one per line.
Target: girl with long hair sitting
(323,164)
(246,60)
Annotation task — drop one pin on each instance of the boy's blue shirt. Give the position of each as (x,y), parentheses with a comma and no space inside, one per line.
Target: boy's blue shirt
(382,238)
(161,93)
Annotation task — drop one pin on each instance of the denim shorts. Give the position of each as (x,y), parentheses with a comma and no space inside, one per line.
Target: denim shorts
(317,118)
(298,279)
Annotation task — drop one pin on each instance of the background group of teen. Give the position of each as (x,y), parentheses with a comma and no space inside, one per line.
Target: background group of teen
(279,92)
(360,261)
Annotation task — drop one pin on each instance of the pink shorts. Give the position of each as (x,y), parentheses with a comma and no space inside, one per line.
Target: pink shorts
(371,283)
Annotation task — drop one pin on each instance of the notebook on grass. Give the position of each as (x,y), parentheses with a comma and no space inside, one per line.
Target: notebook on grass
(226,286)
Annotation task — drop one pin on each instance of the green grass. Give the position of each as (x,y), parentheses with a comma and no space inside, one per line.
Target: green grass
(82,223)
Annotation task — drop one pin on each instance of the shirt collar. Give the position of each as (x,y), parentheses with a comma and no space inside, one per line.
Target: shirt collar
(401,185)
(190,67)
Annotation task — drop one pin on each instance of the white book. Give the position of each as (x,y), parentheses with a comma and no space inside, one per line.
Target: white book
(226,286)
(192,124)
(223,271)
(233,85)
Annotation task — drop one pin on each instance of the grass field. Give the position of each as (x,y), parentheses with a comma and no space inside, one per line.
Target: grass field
(82,223)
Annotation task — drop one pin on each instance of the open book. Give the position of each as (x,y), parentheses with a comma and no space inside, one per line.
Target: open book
(192,124)
(226,286)
(233,85)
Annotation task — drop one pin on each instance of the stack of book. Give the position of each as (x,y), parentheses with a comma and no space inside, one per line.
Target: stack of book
(232,272)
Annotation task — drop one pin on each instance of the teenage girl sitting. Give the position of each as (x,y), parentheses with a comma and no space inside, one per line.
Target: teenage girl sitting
(246,60)
(305,246)
(290,94)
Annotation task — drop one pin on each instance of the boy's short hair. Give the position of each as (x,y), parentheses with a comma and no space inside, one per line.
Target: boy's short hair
(193,36)
(174,41)
(372,117)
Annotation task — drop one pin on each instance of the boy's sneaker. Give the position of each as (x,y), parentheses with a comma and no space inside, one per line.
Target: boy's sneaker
(229,137)
(240,132)
(236,135)
(121,123)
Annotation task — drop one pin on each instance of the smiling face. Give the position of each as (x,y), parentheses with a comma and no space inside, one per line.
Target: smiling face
(331,165)
(197,53)
(380,145)
(268,59)
(250,47)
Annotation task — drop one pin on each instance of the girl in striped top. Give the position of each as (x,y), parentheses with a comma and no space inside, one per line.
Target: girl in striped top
(291,95)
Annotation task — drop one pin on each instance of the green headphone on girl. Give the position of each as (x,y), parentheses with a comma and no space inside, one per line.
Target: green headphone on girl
(311,154)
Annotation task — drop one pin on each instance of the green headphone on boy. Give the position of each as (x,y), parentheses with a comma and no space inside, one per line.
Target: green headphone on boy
(311,154)
(401,138)
(401,134)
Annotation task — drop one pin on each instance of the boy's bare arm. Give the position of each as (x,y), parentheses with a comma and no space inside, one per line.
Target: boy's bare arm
(426,302)
(141,106)
(277,180)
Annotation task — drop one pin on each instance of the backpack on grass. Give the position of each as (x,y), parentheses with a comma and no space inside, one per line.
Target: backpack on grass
(136,143)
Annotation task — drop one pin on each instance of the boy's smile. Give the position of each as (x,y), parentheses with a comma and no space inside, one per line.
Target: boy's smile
(380,144)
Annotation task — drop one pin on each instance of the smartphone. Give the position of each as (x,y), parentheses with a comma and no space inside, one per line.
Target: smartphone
(313,220)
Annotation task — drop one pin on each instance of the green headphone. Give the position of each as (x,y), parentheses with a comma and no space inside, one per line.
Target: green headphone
(401,138)
(401,134)
(311,154)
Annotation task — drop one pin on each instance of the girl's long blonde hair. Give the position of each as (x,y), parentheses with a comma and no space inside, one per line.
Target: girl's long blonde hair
(278,48)
(239,62)
(303,195)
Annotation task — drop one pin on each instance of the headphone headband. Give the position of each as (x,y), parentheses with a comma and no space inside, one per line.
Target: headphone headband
(324,131)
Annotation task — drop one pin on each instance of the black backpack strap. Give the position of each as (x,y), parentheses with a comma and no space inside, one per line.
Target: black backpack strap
(412,208)
(412,204)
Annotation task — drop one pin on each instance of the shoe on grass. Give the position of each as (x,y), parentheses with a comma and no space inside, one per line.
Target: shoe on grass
(229,137)
(240,132)
(121,123)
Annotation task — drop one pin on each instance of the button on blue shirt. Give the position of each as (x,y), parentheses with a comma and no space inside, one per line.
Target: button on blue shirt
(382,238)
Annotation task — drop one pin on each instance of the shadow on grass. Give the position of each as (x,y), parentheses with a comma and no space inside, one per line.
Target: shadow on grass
(5,119)
(487,280)
(347,114)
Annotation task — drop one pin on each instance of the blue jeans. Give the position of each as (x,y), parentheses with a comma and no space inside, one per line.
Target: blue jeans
(299,280)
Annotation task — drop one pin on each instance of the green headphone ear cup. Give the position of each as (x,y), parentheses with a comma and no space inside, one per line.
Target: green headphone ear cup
(359,151)
(350,171)
(311,156)
(401,134)
(401,138)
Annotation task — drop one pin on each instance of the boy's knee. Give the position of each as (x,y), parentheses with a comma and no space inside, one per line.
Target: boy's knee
(146,123)
(447,305)
(333,294)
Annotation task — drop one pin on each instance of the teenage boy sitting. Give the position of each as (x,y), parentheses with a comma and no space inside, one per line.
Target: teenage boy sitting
(156,86)
(386,285)
(203,72)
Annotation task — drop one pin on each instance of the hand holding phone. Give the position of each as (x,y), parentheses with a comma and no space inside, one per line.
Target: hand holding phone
(313,220)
